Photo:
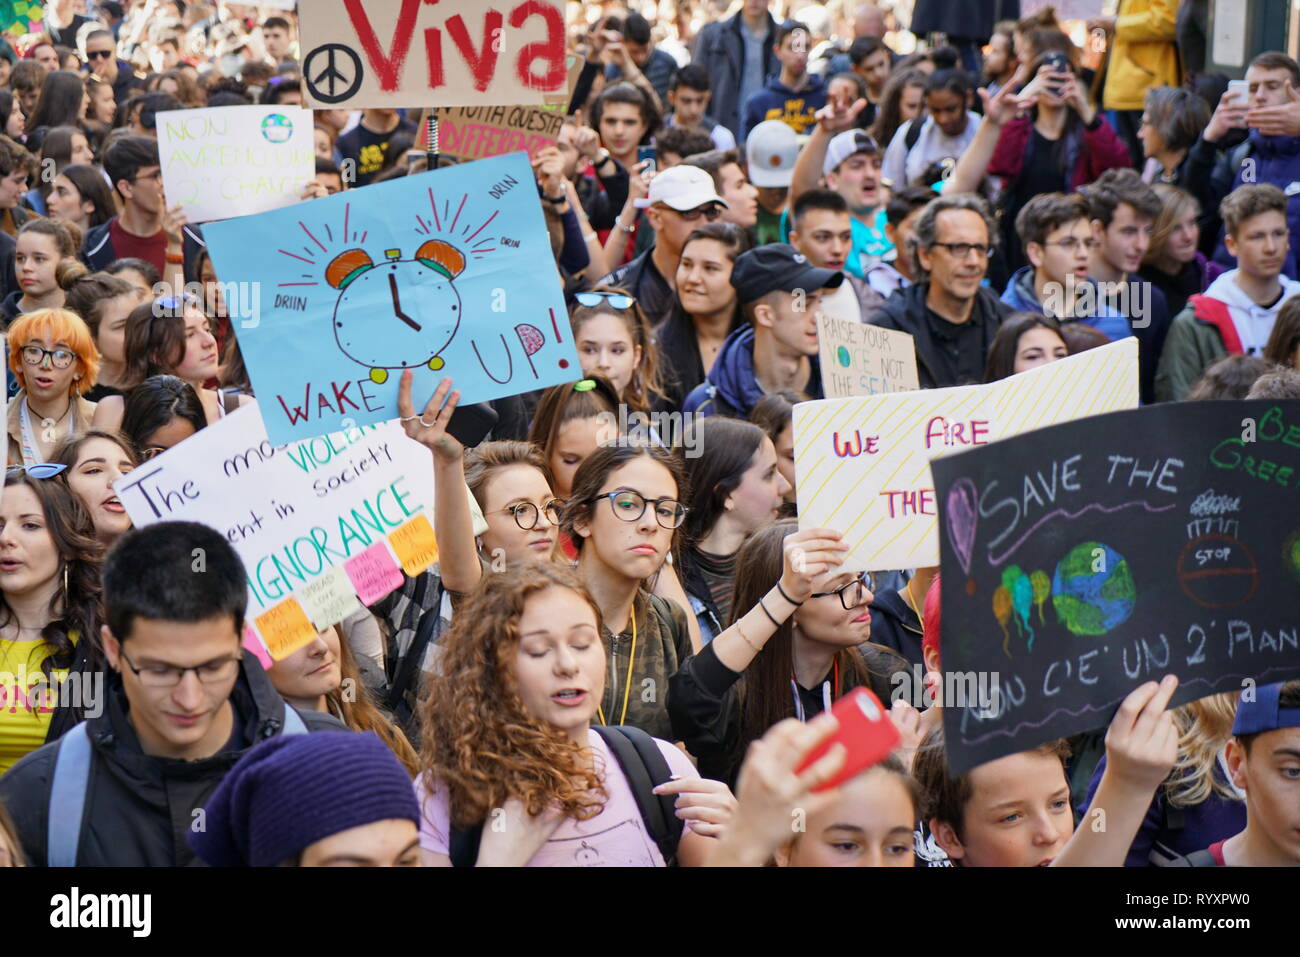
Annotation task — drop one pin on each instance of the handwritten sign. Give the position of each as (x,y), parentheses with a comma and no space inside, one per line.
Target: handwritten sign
(404,53)
(235,160)
(297,514)
(1082,560)
(477,132)
(858,359)
(862,465)
(447,273)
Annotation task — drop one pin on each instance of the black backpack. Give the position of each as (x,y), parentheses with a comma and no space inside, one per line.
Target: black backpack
(645,768)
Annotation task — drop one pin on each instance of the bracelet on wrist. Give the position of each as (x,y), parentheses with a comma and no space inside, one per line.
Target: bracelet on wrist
(626,229)
(745,638)
(775,623)
(785,596)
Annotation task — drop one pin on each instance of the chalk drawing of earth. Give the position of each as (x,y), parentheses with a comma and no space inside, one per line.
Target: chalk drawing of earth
(1092,602)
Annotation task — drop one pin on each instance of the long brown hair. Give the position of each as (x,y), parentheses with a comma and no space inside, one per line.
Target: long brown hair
(352,700)
(764,689)
(644,387)
(477,738)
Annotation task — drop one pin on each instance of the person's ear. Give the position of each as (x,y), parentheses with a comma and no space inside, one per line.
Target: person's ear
(782,854)
(582,524)
(891,233)
(1234,756)
(654,218)
(1230,244)
(112,648)
(923,258)
(1098,230)
(931,658)
(947,839)
(637,353)
(1034,253)
(764,315)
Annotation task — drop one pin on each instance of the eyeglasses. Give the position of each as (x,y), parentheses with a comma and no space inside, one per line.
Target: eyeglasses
(40,470)
(854,593)
(526,514)
(711,213)
(1072,244)
(630,506)
(35,355)
(616,300)
(98,54)
(169,676)
(963,250)
(156,174)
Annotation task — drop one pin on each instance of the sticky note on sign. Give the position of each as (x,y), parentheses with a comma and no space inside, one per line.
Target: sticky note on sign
(329,599)
(415,545)
(285,629)
(254,644)
(373,573)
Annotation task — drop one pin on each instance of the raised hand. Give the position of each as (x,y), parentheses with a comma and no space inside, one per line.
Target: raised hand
(810,552)
(430,427)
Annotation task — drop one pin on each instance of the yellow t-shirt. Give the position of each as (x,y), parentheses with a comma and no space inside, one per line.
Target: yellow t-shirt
(27,699)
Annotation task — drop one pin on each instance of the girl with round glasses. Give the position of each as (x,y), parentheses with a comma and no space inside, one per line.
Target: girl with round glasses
(49,596)
(53,359)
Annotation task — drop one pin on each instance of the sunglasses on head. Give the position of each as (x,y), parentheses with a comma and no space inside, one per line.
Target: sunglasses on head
(616,300)
(39,470)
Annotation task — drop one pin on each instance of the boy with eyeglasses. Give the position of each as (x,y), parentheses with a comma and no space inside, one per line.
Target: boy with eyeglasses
(679,200)
(1055,230)
(184,702)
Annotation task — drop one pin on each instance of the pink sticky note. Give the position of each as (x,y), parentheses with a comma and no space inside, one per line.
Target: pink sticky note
(254,644)
(373,573)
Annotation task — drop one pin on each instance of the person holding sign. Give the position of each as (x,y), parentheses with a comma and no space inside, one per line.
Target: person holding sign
(52,357)
(508,730)
(792,648)
(780,292)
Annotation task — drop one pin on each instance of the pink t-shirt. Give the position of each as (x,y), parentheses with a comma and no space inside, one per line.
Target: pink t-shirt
(616,837)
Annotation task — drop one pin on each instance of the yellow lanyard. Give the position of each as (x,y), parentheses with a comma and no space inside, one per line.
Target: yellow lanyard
(627,690)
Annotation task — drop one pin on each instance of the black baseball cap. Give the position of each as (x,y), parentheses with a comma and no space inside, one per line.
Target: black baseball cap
(778,267)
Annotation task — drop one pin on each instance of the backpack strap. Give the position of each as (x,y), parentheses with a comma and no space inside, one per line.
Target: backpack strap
(67,806)
(293,723)
(646,768)
(1202,858)
(229,402)
(462,845)
(913,133)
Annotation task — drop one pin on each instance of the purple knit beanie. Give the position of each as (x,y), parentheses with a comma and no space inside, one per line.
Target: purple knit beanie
(290,791)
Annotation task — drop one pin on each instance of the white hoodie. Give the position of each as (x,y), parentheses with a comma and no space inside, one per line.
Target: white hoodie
(1254,322)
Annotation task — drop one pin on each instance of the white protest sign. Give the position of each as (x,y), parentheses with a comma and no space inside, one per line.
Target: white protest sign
(232,161)
(318,524)
(858,359)
(862,465)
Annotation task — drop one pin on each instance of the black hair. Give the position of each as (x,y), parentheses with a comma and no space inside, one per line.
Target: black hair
(693,77)
(623,92)
(863,47)
(90,184)
(1002,351)
(905,202)
(636,29)
(277,87)
(127,155)
(789,28)
(945,58)
(154,103)
(826,199)
(732,445)
(228,98)
(173,571)
(154,403)
(276,23)
(954,80)
(60,101)
(146,269)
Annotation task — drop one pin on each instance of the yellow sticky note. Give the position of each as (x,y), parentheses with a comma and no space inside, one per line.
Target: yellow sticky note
(285,628)
(415,545)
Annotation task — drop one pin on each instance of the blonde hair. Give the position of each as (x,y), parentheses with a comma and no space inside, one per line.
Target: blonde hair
(57,325)
(1204,727)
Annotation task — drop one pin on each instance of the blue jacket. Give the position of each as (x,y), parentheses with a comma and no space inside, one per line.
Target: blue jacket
(1020,296)
(1276,160)
(731,387)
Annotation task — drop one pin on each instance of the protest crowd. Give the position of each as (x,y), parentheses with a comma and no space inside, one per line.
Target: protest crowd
(624,645)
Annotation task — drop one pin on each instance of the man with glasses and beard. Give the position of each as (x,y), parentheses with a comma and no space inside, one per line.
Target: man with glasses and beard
(951,317)
(679,200)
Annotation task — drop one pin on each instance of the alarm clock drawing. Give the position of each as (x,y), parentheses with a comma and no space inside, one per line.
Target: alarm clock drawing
(418,293)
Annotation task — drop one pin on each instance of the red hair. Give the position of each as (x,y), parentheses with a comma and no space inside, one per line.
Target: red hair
(930,626)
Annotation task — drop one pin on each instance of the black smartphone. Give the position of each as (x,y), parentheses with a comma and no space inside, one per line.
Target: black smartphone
(1059,64)
(470,424)
(647,153)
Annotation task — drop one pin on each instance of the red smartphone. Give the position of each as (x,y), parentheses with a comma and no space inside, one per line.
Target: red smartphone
(866,732)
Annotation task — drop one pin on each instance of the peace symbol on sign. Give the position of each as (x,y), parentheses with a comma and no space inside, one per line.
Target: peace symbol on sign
(335,81)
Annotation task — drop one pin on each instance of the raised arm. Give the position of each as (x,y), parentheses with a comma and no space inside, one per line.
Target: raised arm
(999,110)
(835,117)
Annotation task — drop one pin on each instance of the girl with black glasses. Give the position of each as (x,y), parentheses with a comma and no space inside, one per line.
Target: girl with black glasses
(53,360)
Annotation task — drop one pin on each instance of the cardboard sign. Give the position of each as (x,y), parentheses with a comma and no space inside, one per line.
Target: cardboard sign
(235,160)
(862,466)
(1083,560)
(298,515)
(448,273)
(412,53)
(477,132)
(858,359)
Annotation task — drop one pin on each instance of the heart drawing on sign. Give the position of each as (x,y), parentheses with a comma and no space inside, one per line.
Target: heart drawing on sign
(962,519)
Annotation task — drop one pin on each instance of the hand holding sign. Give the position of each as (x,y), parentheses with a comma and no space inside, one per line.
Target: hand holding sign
(808,553)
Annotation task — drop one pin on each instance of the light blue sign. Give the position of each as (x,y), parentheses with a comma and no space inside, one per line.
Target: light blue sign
(449,273)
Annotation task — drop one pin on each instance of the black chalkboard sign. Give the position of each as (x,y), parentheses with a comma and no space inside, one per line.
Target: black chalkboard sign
(1084,559)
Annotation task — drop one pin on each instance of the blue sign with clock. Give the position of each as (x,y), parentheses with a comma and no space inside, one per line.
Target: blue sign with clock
(448,273)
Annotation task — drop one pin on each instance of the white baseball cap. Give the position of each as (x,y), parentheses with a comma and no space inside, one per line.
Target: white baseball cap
(772,148)
(682,188)
(846,144)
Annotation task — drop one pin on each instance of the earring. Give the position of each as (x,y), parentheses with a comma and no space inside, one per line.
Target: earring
(65,579)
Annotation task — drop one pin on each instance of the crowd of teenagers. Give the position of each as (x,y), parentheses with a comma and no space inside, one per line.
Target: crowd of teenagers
(628,647)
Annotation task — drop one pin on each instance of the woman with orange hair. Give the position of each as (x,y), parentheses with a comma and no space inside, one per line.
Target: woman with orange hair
(53,357)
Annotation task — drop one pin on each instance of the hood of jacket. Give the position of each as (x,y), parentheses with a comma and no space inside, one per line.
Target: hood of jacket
(1245,310)
(774,85)
(732,376)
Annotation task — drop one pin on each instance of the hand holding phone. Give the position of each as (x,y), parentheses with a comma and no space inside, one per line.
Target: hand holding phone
(647,154)
(865,730)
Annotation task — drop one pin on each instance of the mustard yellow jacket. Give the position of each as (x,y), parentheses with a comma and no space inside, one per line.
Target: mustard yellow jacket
(1143,53)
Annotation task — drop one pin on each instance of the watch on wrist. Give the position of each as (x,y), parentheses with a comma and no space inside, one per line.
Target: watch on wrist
(601,158)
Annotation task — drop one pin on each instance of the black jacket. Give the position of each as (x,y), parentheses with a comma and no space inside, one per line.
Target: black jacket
(720,49)
(97,246)
(895,625)
(937,359)
(641,278)
(704,705)
(603,197)
(140,808)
